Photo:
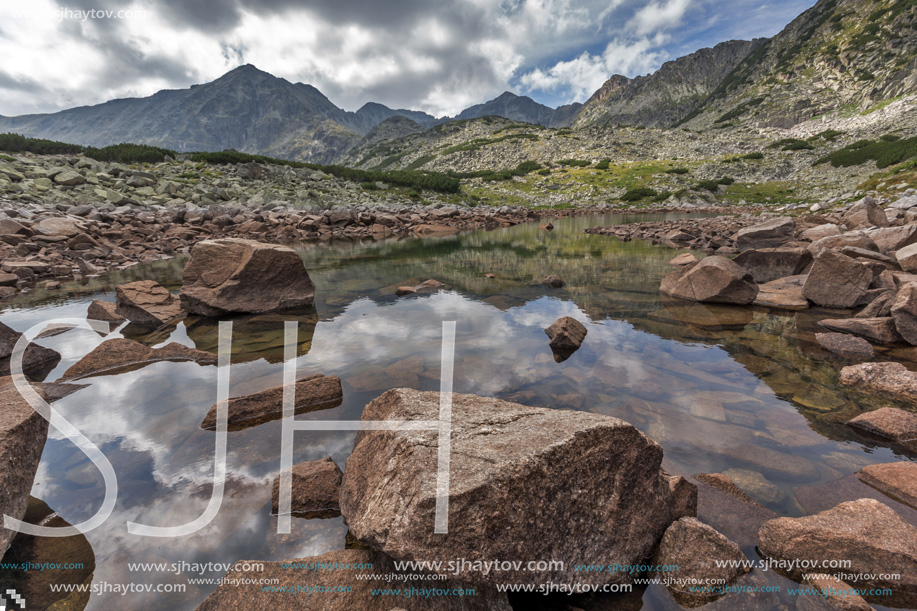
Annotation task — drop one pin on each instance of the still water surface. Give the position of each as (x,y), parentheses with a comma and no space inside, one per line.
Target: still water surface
(722,389)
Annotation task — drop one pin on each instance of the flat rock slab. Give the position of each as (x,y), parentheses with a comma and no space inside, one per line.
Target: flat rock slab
(897,480)
(892,380)
(121,354)
(590,486)
(312,393)
(869,534)
(766,235)
(888,423)
(235,276)
(333,570)
(146,303)
(782,294)
(316,489)
(23,433)
(37,361)
(878,330)
(845,345)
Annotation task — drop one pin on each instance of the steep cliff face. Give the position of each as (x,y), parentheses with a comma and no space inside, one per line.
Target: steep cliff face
(669,94)
(840,55)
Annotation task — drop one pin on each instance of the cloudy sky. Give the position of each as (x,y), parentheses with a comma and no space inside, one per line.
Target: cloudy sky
(434,55)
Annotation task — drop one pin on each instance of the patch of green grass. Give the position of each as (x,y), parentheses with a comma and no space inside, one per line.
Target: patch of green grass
(7,158)
(420,161)
(638,193)
(575,163)
(884,152)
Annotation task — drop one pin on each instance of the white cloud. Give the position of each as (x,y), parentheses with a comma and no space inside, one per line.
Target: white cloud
(657,16)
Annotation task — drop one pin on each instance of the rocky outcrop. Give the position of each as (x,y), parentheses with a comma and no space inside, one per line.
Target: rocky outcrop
(888,423)
(875,539)
(146,303)
(37,361)
(590,485)
(343,591)
(712,280)
(313,393)
(316,489)
(696,549)
(865,214)
(567,335)
(891,380)
(22,438)
(896,480)
(836,281)
(234,276)
(121,354)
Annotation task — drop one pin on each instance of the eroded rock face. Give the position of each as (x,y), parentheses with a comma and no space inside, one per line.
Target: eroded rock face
(892,380)
(589,485)
(836,281)
(234,276)
(229,595)
(695,548)
(146,303)
(879,330)
(22,438)
(316,489)
(37,361)
(312,393)
(713,280)
(874,538)
(121,354)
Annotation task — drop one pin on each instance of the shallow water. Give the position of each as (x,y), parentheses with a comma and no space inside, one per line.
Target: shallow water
(720,388)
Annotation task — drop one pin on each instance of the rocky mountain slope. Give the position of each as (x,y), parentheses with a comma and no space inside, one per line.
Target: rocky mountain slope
(521,108)
(246,109)
(841,57)
(668,95)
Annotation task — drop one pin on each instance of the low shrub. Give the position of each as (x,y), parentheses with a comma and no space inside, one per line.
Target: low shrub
(638,193)
(884,152)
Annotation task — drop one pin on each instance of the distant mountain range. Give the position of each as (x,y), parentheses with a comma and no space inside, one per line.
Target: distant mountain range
(840,53)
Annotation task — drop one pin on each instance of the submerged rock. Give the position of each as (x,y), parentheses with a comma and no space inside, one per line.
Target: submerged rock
(713,280)
(892,380)
(37,361)
(696,548)
(345,592)
(23,433)
(121,354)
(567,335)
(833,595)
(146,303)
(870,535)
(316,489)
(234,276)
(554,281)
(845,345)
(590,486)
(312,393)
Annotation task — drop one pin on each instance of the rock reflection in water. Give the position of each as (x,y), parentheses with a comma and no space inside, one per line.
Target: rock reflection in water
(719,387)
